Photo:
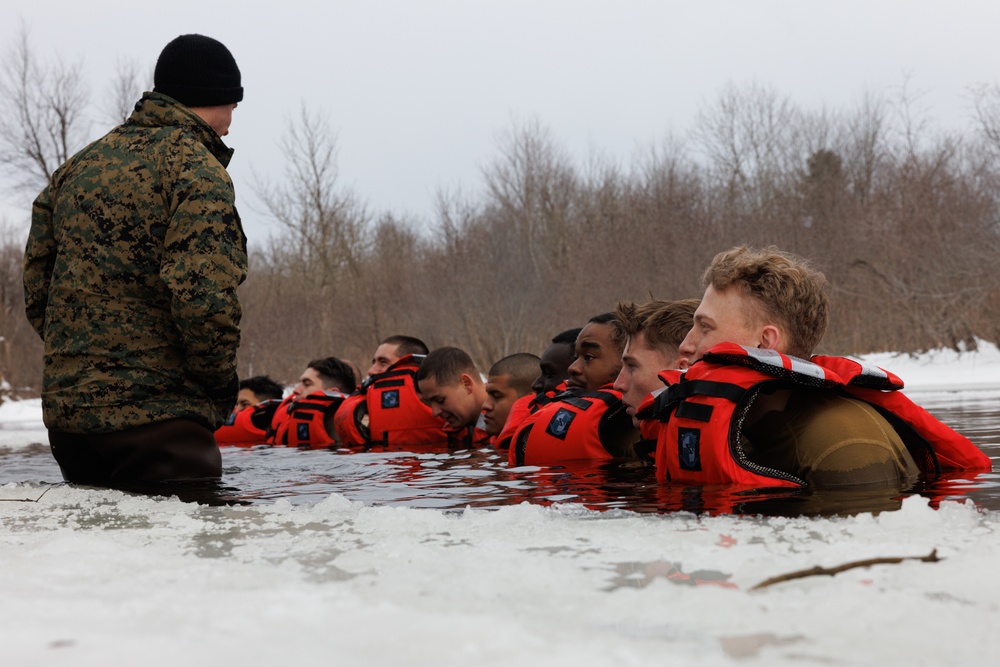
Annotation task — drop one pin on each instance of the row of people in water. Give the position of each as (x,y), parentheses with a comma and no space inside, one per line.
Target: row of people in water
(724,389)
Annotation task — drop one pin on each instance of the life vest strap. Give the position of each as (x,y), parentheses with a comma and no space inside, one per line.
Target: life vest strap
(675,396)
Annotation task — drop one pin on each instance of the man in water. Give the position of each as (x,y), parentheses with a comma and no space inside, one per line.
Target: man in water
(450,383)
(652,333)
(130,276)
(508,380)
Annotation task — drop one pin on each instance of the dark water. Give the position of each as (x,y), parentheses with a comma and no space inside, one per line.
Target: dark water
(480,478)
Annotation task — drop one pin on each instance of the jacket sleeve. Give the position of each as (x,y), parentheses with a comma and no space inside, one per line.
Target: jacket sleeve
(39,259)
(204,261)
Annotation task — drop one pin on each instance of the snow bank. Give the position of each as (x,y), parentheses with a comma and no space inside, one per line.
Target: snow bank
(97,577)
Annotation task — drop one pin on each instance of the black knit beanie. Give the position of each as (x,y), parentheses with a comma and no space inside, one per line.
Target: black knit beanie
(198,71)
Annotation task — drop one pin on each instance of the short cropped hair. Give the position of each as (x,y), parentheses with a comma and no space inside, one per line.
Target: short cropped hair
(664,324)
(335,373)
(567,337)
(521,370)
(406,345)
(446,365)
(788,290)
(263,387)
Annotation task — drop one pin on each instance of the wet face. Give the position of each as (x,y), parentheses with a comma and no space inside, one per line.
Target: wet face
(641,365)
(553,367)
(499,397)
(386,355)
(722,317)
(455,403)
(598,360)
(309,382)
(246,399)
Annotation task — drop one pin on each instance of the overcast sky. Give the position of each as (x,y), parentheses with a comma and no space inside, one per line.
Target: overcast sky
(418,91)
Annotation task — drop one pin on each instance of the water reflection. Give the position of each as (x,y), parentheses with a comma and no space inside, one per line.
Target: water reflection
(452,480)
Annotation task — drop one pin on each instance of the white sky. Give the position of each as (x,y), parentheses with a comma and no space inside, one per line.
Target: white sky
(419,91)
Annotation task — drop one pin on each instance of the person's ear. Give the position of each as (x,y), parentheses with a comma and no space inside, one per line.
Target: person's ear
(770,337)
(466,381)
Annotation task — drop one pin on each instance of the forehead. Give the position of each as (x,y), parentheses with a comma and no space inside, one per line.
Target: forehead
(637,344)
(556,353)
(727,306)
(499,383)
(310,374)
(595,334)
(429,387)
(386,350)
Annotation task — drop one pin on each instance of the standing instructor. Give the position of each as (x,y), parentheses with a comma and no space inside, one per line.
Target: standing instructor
(130,276)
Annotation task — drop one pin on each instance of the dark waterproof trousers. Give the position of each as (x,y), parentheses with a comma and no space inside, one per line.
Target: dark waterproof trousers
(177,450)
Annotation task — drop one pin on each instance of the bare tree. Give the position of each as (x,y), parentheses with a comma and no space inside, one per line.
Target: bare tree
(41,114)
(125,90)
(324,224)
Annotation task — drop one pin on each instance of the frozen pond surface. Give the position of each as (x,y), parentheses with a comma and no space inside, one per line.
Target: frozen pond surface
(349,559)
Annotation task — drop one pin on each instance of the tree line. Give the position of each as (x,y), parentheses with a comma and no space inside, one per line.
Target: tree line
(900,216)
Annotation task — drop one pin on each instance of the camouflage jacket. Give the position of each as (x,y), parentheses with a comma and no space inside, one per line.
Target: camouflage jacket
(130,276)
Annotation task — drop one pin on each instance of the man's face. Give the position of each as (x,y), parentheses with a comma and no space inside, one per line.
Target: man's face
(385,356)
(455,403)
(553,366)
(597,359)
(499,397)
(722,317)
(245,399)
(640,366)
(309,382)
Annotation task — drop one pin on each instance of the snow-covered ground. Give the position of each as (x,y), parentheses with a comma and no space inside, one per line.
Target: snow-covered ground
(94,577)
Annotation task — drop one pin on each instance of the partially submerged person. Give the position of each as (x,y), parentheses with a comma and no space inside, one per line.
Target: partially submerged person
(555,361)
(305,418)
(508,380)
(387,411)
(588,421)
(450,383)
(552,373)
(598,354)
(652,332)
(751,410)
(257,389)
(131,272)
(392,349)
(256,404)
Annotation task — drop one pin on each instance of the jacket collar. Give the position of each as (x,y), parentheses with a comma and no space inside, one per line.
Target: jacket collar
(159,110)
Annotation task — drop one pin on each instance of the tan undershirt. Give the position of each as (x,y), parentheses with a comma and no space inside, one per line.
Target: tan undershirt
(828,440)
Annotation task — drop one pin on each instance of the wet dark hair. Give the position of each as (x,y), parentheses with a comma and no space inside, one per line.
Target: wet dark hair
(263,386)
(335,373)
(406,345)
(520,368)
(567,337)
(445,365)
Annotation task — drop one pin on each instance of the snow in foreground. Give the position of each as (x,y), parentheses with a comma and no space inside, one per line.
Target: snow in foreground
(97,577)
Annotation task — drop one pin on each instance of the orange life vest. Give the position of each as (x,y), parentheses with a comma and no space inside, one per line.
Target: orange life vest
(520,410)
(700,412)
(388,412)
(306,422)
(575,425)
(247,427)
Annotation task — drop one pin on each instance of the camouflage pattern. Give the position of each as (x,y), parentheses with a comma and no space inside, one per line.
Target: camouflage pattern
(130,276)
